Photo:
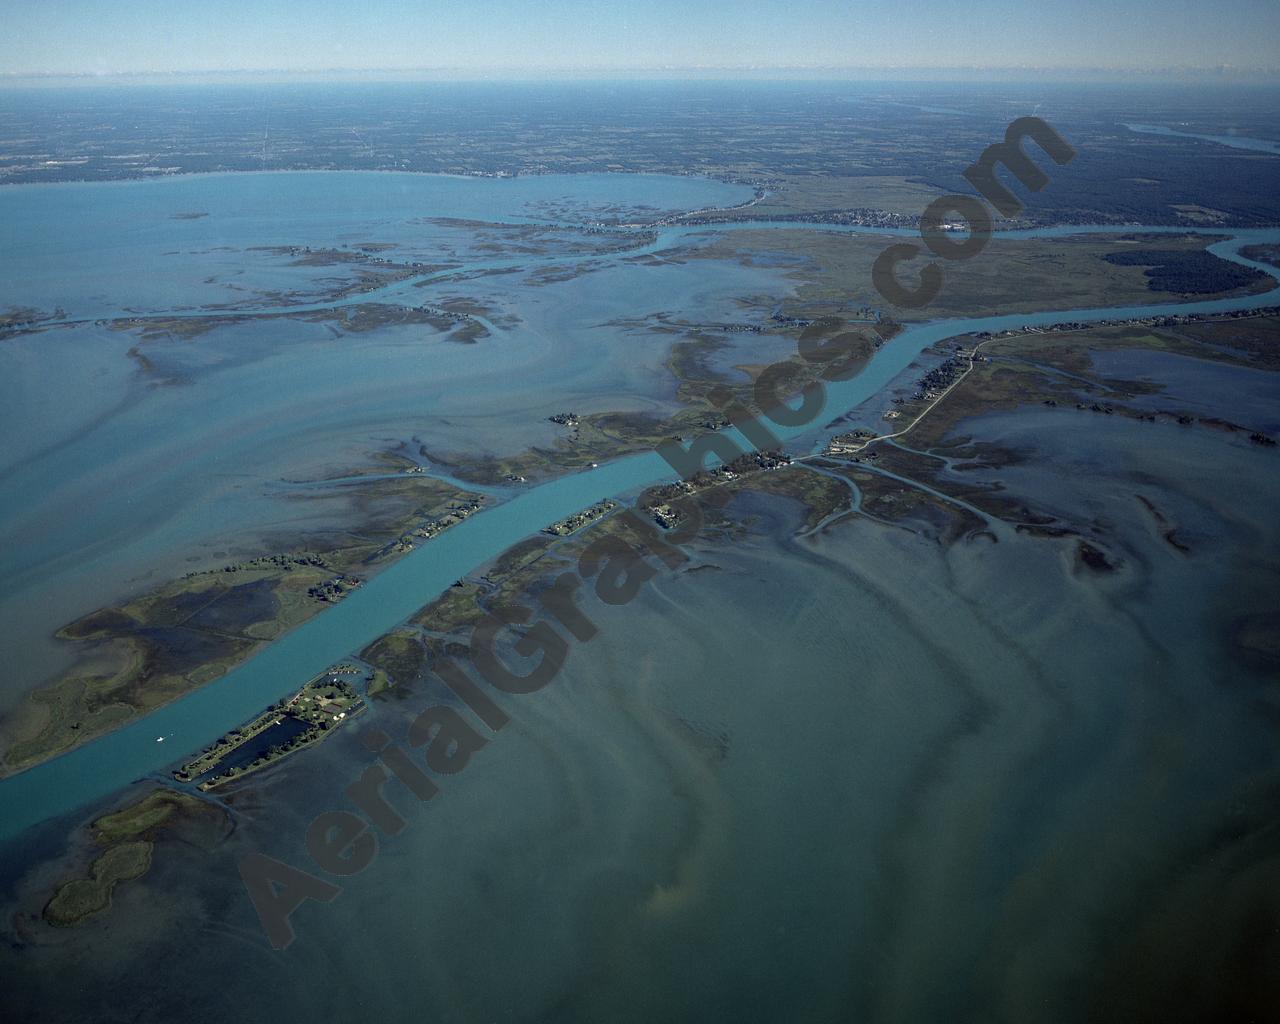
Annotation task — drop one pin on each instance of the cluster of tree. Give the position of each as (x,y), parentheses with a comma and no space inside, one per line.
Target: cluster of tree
(1194,272)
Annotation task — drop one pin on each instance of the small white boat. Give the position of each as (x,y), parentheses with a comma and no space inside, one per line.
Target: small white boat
(159,739)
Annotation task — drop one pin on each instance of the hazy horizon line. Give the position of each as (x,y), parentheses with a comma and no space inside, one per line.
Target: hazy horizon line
(815,72)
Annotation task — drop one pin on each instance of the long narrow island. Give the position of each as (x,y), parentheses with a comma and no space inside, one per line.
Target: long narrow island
(325,703)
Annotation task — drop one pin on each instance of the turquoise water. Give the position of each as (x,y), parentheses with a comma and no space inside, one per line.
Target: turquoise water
(155,456)
(132,752)
(109,248)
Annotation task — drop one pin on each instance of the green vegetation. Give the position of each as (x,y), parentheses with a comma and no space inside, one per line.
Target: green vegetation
(82,897)
(128,836)
(456,609)
(186,633)
(833,273)
(396,657)
(140,818)
(379,683)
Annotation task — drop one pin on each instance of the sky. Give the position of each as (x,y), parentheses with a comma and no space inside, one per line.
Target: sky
(622,36)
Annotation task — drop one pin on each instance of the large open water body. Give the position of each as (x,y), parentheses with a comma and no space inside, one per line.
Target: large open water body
(861,776)
(79,483)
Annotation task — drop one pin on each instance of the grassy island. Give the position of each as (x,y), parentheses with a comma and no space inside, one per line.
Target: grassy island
(127,838)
